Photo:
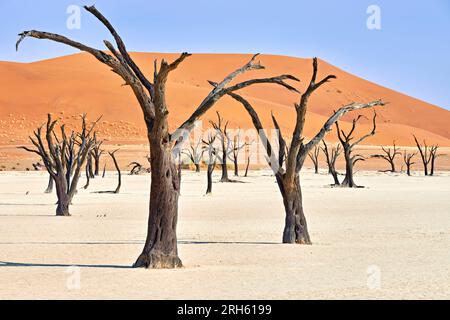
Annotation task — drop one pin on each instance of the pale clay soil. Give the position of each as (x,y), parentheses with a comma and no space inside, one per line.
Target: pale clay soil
(389,240)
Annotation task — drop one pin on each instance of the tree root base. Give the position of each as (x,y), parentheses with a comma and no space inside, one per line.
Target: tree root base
(156,260)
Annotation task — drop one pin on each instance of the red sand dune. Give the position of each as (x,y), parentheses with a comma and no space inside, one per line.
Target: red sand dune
(70,85)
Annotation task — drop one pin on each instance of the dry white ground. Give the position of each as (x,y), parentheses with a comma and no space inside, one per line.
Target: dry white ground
(389,240)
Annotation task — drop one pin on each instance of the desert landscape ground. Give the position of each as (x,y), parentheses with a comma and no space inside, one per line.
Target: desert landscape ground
(230,241)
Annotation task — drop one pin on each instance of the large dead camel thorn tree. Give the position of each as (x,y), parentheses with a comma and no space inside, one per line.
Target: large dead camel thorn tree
(407,158)
(331,157)
(293,157)
(389,155)
(61,156)
(160,249)
(314,156)
(350,158)
(428,155)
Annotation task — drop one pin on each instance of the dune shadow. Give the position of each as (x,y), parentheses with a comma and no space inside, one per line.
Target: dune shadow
(61,265)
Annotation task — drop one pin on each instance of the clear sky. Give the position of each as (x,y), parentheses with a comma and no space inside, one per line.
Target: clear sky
(410,53)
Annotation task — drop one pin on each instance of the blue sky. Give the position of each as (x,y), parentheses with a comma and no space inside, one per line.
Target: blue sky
(410,53)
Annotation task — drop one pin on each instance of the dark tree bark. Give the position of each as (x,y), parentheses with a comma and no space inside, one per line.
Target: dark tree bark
(246,167)
(389,155)
(211,151)
(424,154)
(428,155)
(433,156)
(50,185)
(314,156)
(119,174)
(222,133)
(350,158)
(331,157)
(104,170)
(160,249)
(97,153)
(293,157)
(407,158)
(57,154)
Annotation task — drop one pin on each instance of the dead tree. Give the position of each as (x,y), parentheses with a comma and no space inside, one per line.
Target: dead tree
(137,168)
(428,155)
(407,158)
(314,156)
(389,155)
(195,154)
(293,157)
(97,152)
(350,158)
(433,156)
(57,154)
(160,248)
(119,174)
(331,157)
(87,173)
(225,142)
(104,170)
(211,151)
(50,185)
(248,159)
(233,153)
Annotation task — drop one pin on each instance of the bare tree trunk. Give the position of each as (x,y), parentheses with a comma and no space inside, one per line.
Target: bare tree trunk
(348,180)
(62,208)
(50,185)
(119,182)
(197,167)
(97,165)
(246,167)
(295,227)
(160,249)
(224,177)
(335,177)
(236,167)
(88,177)
(104,170)
(209,178)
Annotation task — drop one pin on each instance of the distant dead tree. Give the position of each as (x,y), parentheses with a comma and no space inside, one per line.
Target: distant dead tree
(287,177)
(350,158)
(61,156)
(428,155)
(314,156)
(195,153)
(97,153)
(104,170)
(248,159)
(160,248)
(407,158)
(211,151)
(50,185)
(235,148)
(89,167)
(389,155)
(119,175)
(331,157)
(137,168)
(225,142)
